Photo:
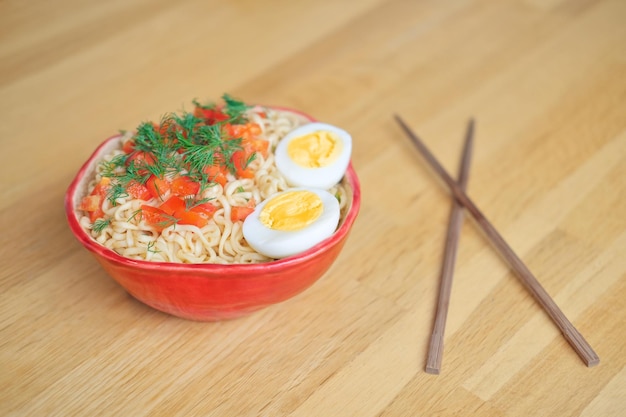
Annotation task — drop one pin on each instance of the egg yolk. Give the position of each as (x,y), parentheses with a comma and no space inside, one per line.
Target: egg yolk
(291,211)
(315,150)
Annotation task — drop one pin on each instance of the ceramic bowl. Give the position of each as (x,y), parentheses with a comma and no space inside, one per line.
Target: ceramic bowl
(210,292)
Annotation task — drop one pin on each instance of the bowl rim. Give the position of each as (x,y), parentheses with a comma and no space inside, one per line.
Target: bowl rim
(238,268)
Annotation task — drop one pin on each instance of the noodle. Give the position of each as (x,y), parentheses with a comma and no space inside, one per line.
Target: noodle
(221,241)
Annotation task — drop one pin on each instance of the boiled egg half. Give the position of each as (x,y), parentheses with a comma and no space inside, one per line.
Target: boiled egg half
(291,222)
(314,155)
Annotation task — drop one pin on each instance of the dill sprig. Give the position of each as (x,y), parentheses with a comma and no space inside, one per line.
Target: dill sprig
(180,144)
(135,216)
(151,142)
(118,190)
(235,109)
(150,247)
(100,224)
(191,203)
(168,220)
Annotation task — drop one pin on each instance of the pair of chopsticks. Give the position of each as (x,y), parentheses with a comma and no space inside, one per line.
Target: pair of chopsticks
(435,354)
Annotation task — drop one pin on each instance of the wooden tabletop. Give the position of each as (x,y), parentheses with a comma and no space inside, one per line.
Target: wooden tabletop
(545,82)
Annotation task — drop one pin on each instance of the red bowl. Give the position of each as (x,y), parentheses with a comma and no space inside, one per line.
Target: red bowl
(210,292)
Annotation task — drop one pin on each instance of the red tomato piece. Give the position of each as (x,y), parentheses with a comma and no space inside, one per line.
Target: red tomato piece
(184,186)
(205,209)
(239,213)
(254,129)
(102,188)
(210,116)
(137,190)
(93,202)
(256,145)
(156,217)
(246,132)
(141,158)
(192,218)
(128,146)
(240,159)
(216,174)
(157,187)
(167,129)
(173,206)
(90,203)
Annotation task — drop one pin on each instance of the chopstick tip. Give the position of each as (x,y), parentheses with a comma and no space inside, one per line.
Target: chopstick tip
(431,370)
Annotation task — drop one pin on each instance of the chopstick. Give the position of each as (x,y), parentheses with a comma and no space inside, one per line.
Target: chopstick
(575,339)
(435,350)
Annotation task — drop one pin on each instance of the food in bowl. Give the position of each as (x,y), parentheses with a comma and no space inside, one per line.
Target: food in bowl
(225,183)
(234,285)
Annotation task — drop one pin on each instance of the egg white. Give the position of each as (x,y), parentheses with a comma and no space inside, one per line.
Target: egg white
(322,177)
(280,244)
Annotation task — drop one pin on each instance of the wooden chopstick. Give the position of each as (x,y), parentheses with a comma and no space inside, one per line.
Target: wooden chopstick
(575,339)
(435,350)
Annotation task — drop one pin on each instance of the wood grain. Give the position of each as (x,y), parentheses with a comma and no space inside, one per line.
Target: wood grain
(544,81)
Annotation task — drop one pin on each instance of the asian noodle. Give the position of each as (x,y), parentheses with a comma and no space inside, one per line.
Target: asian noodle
(221,241)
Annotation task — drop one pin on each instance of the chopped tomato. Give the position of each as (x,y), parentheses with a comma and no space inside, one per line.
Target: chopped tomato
(245,132)
(248,133)
(93,202)
(173,205)
(102,188)
(95,215)
(210,116)
(128,146)
(184,186)
(256,145)
(192,218)
(240,161)
(241,212)
(217,174)
(205,209)
(137,190)
(254,129)
(90,203)
(197,216)
(167,129)
(234,131)
(238,213)
(156,217)
(141,160)
(157,187)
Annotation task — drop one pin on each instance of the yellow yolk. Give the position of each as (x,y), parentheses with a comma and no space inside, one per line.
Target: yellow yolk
(315,150)
(292,210)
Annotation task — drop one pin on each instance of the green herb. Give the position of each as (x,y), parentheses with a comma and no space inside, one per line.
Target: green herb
(169,220)
(100,224)
(191,203)
(117,190)
(181,144)
(150,247)
(136,215)
(235,109)
(250,159)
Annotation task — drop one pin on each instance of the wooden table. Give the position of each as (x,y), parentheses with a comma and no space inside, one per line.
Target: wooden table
(546,83)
